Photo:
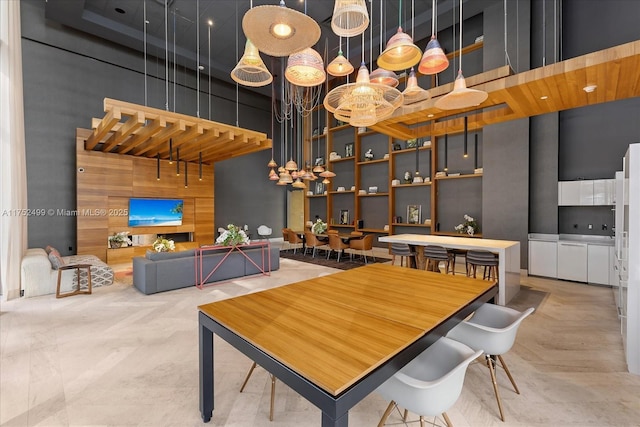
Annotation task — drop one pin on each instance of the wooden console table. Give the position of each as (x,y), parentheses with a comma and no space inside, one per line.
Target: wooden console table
(265,269)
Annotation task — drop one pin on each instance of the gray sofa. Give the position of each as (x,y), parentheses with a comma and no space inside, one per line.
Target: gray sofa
(165,271)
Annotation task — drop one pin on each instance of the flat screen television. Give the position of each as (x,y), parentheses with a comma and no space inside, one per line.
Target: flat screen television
(155,212)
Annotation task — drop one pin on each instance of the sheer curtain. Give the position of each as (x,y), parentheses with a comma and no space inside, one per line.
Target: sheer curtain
(13,174)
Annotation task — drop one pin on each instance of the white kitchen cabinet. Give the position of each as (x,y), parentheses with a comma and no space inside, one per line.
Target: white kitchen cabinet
(598,265)
(543,258)
(603,192)
(575,193)
(572,261)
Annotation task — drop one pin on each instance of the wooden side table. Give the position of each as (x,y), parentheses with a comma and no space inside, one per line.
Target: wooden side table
(77,268)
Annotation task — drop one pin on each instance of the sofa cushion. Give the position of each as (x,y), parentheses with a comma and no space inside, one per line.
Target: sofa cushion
(50,248)
(55,259)
(158,256)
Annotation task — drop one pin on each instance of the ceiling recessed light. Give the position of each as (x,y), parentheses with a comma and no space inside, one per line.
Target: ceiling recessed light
(589,88)
(544,97)
(430,115)
(119,10)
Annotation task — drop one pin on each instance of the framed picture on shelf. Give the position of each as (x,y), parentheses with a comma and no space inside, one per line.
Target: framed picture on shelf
(414,214)
(319,188)
(412,143)
(348,150)
(344,217)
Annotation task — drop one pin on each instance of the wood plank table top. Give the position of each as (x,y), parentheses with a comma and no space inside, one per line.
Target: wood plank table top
(334,330)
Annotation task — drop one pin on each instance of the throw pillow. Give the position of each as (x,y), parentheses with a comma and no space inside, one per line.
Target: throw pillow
(49,248)
(55,259)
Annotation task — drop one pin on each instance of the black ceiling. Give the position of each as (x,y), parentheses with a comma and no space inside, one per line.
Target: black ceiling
(222,44)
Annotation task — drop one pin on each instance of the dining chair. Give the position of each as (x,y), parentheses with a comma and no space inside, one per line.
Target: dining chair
(285,237)
(273,388)
(481,258)
(492,328)
(336,244)
(434,255)
(431,383)
(264,231)
(312,242)
(294,240)
(363,245)
(402,250)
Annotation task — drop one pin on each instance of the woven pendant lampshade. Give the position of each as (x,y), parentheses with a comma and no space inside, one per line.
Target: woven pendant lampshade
(278,30)
(340,66)
(350,17)
(291,165)
(400,52)
(384,77)
(273,176)
(434,60)
(414,93)
(250,70)
(362,103)
(298,184)
(305,68)
(327,174)
(318,169)
(461,96)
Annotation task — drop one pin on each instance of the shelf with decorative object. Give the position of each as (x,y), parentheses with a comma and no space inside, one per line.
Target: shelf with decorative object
(371,162)
(374,230)
(454,234)
(341,159)
(342,192)
(404,224)
(373,194)
(417,184)
(475,175)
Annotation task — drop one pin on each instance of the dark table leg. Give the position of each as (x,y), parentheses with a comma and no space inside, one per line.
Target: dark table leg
(342,421)
(206,372)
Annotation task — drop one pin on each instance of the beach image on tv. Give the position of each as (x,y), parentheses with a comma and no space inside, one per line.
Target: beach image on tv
(155,212)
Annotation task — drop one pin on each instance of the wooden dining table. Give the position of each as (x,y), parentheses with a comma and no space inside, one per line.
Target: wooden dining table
(334,339)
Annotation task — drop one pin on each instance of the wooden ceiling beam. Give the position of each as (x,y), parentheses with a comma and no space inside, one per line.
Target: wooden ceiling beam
(145,133)
(110,119)
(125,130)
(158,139)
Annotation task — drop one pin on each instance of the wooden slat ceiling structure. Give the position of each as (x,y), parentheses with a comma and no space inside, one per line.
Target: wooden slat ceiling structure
(143,131)
(615,71)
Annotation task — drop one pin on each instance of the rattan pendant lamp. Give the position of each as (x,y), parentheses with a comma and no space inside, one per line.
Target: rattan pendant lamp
(250,70)
(340,66)
(350,17)
(305,68)
(461,96)
(278,30)
(400,52)
(434,60)
(380,75)
(413,92)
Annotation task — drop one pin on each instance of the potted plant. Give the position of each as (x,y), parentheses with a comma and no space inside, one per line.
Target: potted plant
(163,245)
(119,239)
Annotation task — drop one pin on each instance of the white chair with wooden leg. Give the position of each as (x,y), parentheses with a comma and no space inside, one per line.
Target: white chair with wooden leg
(273,388)
(493,329)
(431,383)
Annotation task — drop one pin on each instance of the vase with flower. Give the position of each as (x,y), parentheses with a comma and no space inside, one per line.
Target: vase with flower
(232,236)
(163,245)
(469,226)
(119,239)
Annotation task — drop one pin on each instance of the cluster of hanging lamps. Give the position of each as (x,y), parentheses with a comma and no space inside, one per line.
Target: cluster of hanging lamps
(250,70)
(433,60)
(461,96)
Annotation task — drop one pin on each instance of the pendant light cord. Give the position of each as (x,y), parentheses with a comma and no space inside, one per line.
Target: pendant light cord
(166,55)
(197,58)
(433,18)
(460,41)
(144,18)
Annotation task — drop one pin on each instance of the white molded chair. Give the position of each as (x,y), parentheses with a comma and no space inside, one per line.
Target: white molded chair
(431,383)
(264,232)
(273,388)
(492,328)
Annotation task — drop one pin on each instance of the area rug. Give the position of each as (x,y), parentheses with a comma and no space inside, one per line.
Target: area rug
(320,259)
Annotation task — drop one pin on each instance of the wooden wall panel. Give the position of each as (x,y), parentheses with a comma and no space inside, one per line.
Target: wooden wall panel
(109,180)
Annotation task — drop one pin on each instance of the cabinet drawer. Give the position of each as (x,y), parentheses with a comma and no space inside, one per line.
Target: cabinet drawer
(572,261)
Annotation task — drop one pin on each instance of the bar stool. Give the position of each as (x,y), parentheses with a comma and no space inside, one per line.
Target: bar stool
(453,253)
(402,250)
(434,255)
(481,258)
(77,268)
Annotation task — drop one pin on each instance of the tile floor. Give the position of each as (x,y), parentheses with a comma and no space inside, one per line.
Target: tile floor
(120,358)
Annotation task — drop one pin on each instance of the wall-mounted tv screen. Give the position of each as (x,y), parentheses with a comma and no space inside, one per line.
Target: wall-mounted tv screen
(155,212)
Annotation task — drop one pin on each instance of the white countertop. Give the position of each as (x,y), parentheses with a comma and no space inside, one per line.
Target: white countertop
(459,242)
(580,238)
